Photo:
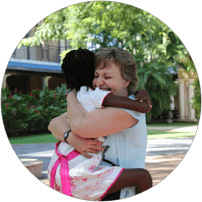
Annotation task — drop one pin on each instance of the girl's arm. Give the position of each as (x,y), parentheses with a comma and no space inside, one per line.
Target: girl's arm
(126,103)
(143,95)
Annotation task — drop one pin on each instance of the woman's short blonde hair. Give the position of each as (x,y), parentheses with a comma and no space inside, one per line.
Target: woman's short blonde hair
(124,60)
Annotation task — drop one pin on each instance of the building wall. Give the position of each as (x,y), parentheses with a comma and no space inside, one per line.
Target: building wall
(55,82)
(49,51)
(26,84)
(21,53)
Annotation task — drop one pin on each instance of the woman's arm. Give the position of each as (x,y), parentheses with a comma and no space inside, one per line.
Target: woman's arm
(98,123)
(127,103)
(59,125)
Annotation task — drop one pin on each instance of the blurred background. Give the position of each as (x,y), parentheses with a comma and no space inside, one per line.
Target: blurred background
(34,91)
(33,76)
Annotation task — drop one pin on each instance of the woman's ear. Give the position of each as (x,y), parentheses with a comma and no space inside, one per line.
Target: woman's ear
(127,82)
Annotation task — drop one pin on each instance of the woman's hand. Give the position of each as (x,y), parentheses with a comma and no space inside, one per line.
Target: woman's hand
(143,95)
(84,145)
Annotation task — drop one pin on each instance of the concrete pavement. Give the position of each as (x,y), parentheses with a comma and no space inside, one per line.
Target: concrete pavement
(160,167)
(164,146)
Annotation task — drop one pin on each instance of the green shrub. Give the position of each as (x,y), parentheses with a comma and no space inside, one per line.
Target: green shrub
(31,112)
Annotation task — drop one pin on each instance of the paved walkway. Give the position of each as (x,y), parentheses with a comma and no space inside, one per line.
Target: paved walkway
(159,167)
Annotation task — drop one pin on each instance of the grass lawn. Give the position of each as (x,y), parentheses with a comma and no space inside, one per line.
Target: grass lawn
(49,138)
(174,124)
(34,139)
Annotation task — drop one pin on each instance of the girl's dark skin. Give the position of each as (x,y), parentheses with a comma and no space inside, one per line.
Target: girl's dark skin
(126,103)
(139,178)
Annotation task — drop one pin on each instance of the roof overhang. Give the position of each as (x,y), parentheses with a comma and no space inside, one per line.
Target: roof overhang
(33,67)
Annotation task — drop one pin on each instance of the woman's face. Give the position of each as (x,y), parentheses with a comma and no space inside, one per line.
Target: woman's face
(109,78)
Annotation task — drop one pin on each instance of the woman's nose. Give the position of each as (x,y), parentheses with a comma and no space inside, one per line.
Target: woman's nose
(99,81)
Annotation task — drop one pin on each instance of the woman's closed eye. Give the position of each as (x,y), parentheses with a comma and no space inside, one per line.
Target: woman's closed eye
(108,77)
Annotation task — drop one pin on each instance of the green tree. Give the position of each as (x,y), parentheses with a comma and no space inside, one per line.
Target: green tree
(104,24)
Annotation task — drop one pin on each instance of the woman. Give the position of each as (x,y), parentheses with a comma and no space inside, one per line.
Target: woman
(116,72)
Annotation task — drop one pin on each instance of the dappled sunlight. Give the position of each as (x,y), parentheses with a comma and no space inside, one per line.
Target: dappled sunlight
(161,167)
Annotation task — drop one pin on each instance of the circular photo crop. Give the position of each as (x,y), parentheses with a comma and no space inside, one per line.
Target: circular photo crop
(100,101)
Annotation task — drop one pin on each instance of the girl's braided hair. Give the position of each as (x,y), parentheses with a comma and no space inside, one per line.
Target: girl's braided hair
(78,68)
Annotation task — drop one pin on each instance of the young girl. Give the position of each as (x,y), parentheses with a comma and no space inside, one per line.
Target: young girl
(75,175)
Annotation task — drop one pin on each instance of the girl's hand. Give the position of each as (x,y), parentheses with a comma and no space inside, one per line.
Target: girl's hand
(84,145)
(143,95)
